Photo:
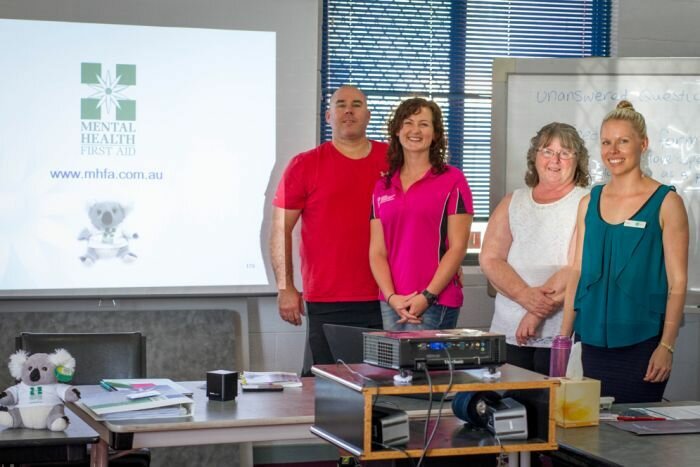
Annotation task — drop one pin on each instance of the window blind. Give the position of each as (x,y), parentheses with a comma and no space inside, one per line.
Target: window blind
(443,50)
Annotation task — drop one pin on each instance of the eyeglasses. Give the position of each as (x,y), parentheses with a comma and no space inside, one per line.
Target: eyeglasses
(564,154)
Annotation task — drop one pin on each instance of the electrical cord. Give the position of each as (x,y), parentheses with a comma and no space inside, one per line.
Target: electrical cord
(395,448)
(501,460)
(428,440)
(356,373)
(424,367)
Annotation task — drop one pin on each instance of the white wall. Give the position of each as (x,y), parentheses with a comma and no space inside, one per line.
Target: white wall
(652,28)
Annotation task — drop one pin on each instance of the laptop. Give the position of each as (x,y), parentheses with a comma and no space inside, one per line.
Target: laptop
(346,342)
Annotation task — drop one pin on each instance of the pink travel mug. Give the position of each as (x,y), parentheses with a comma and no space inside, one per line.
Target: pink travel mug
(561,348)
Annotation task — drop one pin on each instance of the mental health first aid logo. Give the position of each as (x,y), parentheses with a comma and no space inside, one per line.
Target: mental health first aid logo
(108,95)
(108,115)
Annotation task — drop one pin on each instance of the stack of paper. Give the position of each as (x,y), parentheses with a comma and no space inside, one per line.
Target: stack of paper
(142,384)
(286,379)
(164,402)
(161,412)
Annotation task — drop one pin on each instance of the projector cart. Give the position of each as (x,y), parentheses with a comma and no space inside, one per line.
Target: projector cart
(345,396)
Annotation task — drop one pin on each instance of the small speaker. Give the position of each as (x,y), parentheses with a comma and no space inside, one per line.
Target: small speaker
(503,416)
(222,385)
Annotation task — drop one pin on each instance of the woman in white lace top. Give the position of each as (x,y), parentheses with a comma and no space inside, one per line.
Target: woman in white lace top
(528,245)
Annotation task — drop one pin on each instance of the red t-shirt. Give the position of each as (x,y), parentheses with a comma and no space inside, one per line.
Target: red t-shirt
(334,194)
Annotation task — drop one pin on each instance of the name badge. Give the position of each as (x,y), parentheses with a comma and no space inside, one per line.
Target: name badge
(635,224)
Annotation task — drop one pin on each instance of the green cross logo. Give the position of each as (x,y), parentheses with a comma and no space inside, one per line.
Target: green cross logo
(108,92)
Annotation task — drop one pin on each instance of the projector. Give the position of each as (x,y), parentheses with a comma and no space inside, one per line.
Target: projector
(433,349)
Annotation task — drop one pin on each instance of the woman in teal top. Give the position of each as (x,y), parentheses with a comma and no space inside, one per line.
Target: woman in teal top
(626,295)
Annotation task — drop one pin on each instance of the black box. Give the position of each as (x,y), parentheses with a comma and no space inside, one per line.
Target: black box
(222,385)
(389,426)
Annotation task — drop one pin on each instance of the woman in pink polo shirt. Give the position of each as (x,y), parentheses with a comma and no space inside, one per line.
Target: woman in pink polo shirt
(421,216)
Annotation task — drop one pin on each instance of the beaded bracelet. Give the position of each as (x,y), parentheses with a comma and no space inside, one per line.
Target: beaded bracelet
(666,346)
(389,298)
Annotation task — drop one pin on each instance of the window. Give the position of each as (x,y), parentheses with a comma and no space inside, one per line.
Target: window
(443,50)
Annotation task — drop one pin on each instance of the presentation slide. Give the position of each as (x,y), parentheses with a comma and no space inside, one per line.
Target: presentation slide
(133,156)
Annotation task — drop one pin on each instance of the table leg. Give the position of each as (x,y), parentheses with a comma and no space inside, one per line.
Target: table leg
(99,454)
(246,453)
(525,459)
(519,459)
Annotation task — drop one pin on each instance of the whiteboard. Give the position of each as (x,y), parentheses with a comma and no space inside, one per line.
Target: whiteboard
(581,91)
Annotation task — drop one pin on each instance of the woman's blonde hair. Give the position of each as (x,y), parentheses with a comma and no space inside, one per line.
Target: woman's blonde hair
(625,111)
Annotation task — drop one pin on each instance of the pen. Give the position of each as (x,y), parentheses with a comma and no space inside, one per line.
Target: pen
(631,418)
(106,386)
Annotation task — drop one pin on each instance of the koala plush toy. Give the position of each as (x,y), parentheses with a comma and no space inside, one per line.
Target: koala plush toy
(107,238)
(37,401)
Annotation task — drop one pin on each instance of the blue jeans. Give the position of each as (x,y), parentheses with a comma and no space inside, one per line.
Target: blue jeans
(435,317)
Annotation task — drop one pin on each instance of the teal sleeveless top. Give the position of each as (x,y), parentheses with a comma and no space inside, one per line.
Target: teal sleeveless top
(621,295)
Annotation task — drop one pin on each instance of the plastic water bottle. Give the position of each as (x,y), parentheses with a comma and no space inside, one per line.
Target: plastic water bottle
(561,348)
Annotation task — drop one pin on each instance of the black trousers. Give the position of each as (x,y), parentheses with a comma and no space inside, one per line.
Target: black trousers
(531,358)
(360,314)
(621,371)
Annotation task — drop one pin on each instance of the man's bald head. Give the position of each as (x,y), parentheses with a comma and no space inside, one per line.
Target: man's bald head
(348,114)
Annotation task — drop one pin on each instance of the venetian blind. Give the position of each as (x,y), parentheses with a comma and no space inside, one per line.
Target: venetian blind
(443,50)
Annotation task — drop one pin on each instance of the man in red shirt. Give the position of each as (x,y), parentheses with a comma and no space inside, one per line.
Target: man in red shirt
(330,189)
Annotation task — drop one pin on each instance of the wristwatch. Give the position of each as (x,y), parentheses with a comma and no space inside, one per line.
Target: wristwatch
(430,297)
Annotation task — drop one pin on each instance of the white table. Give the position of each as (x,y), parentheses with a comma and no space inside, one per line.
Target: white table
(253,416)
